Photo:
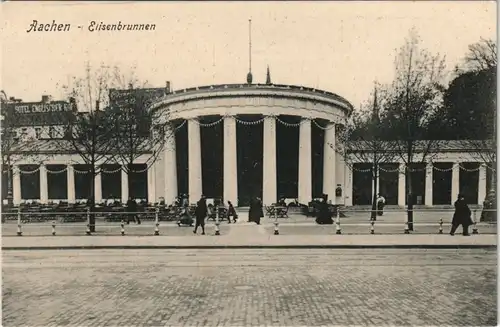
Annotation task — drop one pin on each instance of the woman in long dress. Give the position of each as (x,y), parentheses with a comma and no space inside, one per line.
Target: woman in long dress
(255,212)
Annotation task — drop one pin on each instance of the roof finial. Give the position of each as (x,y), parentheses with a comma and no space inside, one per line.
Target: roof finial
(249,75)
(268,77)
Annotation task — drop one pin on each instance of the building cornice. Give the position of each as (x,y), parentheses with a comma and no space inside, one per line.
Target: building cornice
(254,90)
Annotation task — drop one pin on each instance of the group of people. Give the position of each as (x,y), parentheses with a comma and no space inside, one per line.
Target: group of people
(201,212)
(461,216)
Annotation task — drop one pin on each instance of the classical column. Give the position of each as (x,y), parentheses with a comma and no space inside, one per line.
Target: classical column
(194,158)
(98,188)
(70,171)
(481,187)
(124,185)
(402,185)
(170,166)
(428,184)
(230,189)
(16,185)
(305,162)
(269,180)
(151,183)
(455,182)
(44,187)
(340,165)
(329,169)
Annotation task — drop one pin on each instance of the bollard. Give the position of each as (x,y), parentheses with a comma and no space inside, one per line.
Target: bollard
(123,228)
(441,226)
(157,224)
(474,230)
(372,227)
(217,231)
(276,224)
(53,228)
(337,223)
(19,231)
(88,222)
(407,229)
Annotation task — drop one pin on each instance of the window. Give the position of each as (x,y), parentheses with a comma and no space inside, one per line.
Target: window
(38,132)
(24,132)
(52,132)
(17,135)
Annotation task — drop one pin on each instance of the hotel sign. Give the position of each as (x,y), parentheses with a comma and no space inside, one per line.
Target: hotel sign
(25,108)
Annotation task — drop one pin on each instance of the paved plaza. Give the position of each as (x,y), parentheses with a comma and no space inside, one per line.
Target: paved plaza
(253,287)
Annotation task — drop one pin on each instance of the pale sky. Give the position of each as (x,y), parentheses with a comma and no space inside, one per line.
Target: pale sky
(342,47)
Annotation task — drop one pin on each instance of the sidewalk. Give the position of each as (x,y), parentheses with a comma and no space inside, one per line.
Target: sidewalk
(249,238)
(286,227)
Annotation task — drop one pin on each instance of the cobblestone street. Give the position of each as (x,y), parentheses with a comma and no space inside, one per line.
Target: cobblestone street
(249,287)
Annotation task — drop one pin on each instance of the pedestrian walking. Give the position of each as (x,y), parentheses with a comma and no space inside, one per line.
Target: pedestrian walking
(462,216)
(380,205)
(185,200)
(132,211)
(231,212)
(201,214)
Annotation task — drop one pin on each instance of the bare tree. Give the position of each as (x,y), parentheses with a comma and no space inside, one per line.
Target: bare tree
(88,133)
(482,55)
(482,58)
(363,140)
(138,128)
(409,104)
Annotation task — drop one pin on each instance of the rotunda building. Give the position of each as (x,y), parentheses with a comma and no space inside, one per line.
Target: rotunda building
(238,141)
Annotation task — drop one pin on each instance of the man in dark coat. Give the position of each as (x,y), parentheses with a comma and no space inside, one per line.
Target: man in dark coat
(132,209)
(201,213)
(255,212)
(324,216)
(231,212)
(461,216)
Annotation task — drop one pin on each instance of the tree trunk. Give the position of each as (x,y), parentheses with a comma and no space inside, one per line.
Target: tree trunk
(10,176)
(493,186)
(409,187)
(374,197)
(92,198)
(129,179)
(490,203)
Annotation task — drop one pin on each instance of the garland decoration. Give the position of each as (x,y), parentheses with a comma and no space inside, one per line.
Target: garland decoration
(57,171)
(249,123)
